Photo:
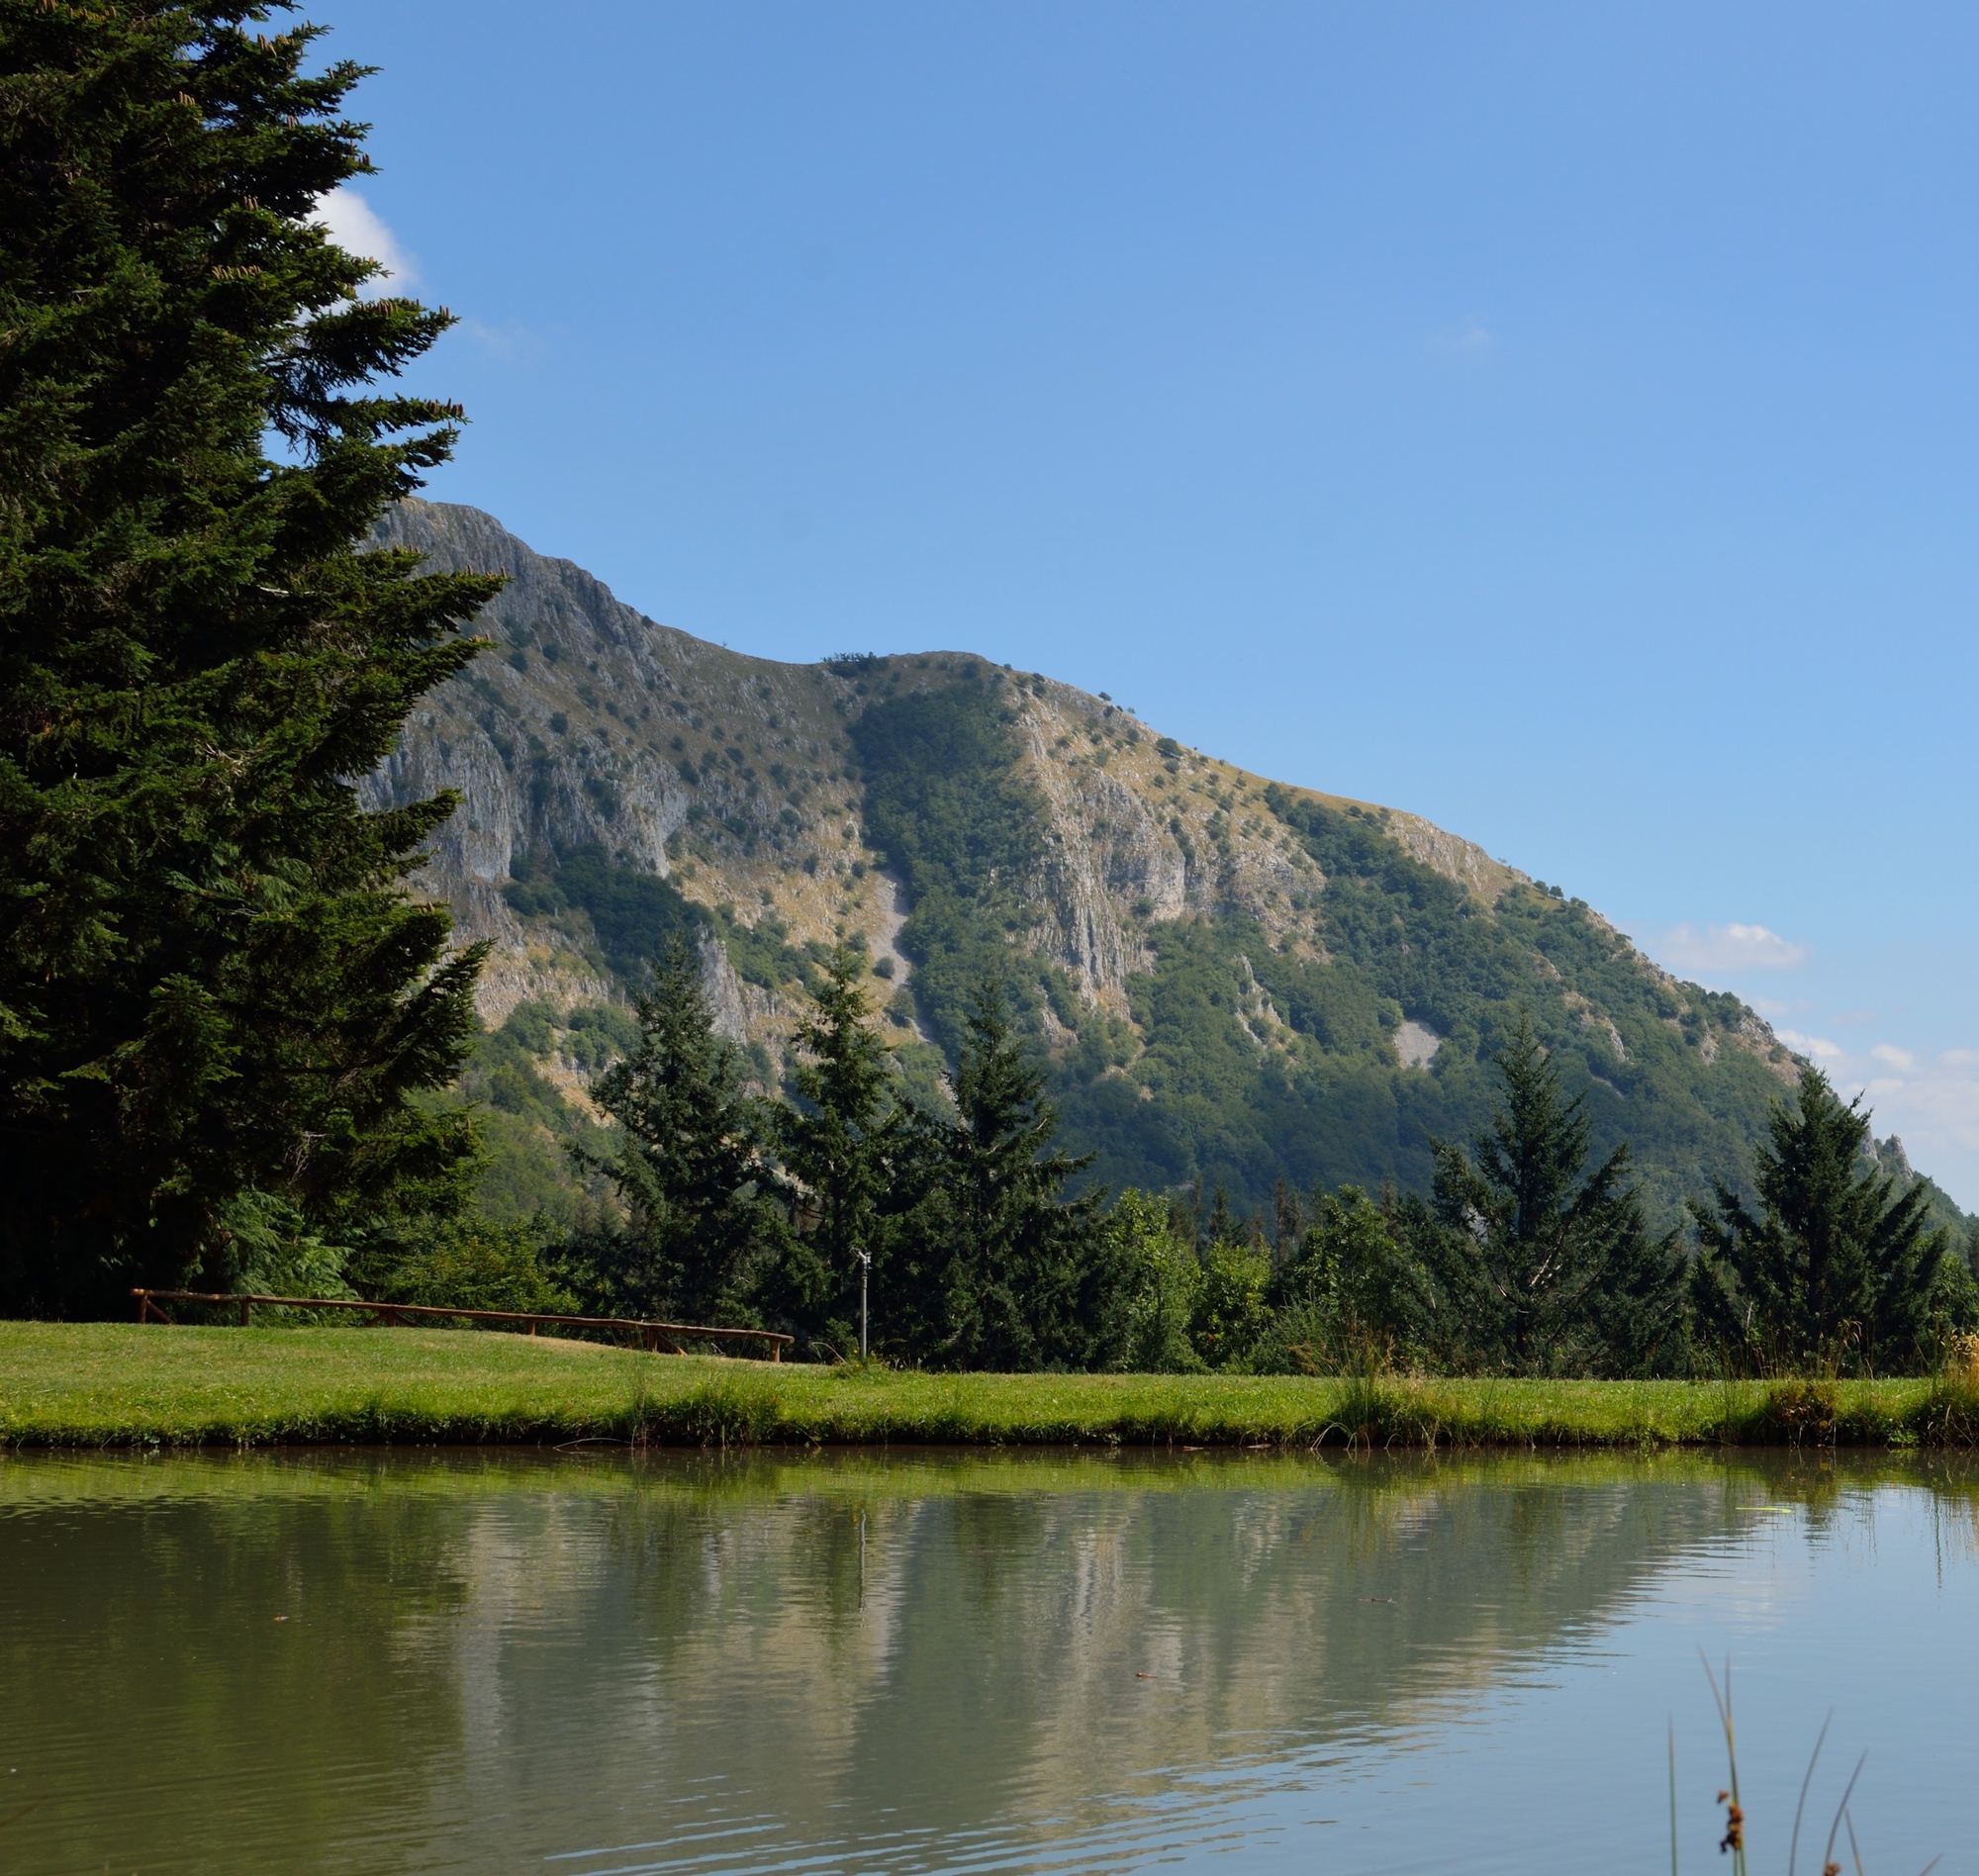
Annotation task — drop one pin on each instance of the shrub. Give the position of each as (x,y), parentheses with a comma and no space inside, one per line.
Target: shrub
(1160,1282)
(1232,1312)
(471,1264)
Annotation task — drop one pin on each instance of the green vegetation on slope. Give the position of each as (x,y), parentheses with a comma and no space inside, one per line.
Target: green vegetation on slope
(626,916)
(1320,1097)
(1255,1065)
(945,804)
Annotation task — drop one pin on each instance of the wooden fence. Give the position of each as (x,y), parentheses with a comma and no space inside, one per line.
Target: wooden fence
(654,1332)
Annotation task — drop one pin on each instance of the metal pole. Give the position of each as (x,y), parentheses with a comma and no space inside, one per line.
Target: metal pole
(865,1264)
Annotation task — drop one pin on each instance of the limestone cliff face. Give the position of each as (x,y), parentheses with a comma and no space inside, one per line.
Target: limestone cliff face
(574,729)
(500,735)
(587,723)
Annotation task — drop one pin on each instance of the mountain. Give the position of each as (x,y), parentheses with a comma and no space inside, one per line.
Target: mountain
(1237,982)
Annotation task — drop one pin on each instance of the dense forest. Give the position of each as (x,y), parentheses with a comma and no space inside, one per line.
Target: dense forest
(1156,1066)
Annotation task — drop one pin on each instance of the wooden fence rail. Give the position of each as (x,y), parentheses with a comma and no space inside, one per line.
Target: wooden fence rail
(654,1332)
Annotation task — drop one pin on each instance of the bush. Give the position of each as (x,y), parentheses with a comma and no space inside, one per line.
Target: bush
(1159,1281)
(1231,1311)
(470,1264)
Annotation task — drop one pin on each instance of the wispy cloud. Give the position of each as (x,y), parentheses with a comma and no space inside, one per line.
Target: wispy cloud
(508,344)
(1730,948)
(354,224)
(1929,1100)
(1470,339)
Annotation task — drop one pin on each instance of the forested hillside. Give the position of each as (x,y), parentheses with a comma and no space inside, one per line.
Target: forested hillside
(1237,984)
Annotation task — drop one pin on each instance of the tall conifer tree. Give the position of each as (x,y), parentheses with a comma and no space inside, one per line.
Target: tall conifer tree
(1559,1257)
(213,984)
(1835,1267)
(1013,1267)
(689,1168)
(846,1143)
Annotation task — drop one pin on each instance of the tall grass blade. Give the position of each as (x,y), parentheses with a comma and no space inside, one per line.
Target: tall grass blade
(1734,1820)
(1821,1739)
(1841,1811)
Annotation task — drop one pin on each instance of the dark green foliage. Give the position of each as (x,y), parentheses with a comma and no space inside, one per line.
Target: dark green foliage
(760,952)
(1552,1264)
(1154,1283)
(527,1174)
(845,1140)
(1227,1111)
(632,914)
(1835,1269)
(474,1263)
(944,802)
(1004,1270)
(502,1071)
(211,982)
(704,1221)
(1353,1286)
(1941,1209)
(922,1069)
(1233,1307)
(266,1247)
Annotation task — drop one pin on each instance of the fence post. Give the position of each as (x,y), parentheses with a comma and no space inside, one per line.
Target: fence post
(246,1306)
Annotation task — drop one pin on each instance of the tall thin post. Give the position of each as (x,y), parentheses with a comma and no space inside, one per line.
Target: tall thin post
(865,1266)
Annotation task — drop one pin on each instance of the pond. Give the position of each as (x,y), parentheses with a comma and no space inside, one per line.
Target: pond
(597,1663)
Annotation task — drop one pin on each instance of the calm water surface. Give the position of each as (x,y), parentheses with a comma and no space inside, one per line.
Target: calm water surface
(585,1666)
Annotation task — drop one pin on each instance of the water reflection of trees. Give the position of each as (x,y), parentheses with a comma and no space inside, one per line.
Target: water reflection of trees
(502,1651)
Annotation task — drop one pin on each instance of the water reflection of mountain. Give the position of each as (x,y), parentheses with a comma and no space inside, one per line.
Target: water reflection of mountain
(497,1660)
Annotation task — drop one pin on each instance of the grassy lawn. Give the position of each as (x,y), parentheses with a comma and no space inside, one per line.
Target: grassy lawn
(119,1384)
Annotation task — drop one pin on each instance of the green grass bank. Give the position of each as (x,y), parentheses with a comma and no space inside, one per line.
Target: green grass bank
(105,1384)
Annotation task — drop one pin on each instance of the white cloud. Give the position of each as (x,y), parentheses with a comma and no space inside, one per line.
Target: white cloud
(1730,948)
(1892,1056)
(1770,1007)
(1817,1046)
(354,224)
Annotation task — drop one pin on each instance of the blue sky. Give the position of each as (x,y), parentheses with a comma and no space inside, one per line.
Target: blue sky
(1561,421)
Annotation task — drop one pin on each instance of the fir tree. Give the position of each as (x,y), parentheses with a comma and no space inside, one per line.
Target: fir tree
(1835,1268)
(845,1142)
(1012,1264)
(1559,1257)
(689,1168)
(213,990)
